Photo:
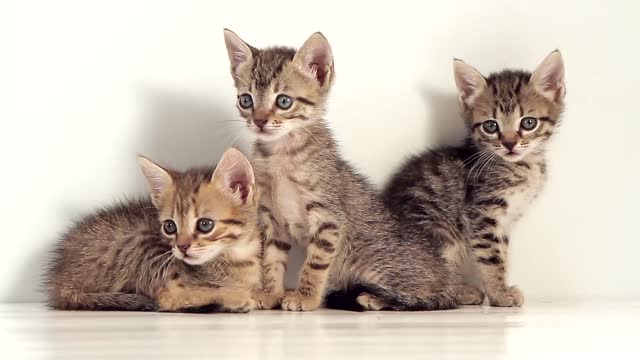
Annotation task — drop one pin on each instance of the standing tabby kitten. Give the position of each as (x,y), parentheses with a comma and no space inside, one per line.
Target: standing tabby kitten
(193,244)
(466,199)
(313,197)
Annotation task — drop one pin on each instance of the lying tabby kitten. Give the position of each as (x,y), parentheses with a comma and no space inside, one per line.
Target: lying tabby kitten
(193,244)
(311,196)
(466,199)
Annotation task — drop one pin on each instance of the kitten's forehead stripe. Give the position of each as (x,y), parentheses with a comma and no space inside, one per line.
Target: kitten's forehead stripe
(268,64)
(505,87)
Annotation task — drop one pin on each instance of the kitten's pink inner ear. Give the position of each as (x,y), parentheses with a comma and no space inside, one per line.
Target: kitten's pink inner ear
(158,179)
(235,174)
(319,67)
(238,51)
(241,187)
(468,80)
(548,78)
(316,57)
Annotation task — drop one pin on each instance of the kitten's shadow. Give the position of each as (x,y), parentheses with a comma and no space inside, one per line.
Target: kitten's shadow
(182,131)
(446,125)
(174,129)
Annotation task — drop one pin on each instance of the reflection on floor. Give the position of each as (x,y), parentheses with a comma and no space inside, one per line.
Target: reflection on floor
(539,330)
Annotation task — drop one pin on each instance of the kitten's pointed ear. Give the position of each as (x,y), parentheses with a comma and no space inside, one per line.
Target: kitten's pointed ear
(234,176)
(238,50)
(316,59)
(158,179)
(548,78)
(469,81)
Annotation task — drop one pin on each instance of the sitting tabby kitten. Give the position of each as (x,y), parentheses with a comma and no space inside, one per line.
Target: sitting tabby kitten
(193,244)
(313,197)
(466,199)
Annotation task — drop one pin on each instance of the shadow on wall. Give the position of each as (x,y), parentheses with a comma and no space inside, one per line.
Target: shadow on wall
(443,113)
(27,285)
(445,125)
(181,130)
(176,130)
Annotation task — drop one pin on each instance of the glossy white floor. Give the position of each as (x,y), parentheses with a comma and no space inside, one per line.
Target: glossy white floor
(539,330)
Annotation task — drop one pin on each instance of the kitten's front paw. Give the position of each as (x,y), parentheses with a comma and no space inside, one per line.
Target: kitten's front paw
(295,301)
(511,296)
(267,301)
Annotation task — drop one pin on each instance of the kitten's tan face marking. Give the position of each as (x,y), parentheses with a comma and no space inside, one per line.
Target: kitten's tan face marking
(207,212)
(280,89)
(187,208)
(512,113)
(513,140)
(266,117)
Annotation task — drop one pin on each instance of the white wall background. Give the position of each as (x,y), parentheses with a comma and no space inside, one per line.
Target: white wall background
(85,85)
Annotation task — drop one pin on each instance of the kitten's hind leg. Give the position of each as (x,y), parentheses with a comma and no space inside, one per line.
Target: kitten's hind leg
(375,297)
(468,295)
(354,299)
(371,302)
(76,300)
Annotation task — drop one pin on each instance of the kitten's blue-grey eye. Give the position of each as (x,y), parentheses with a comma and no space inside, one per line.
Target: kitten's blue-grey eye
(528,123)
(169,227)
(284,102)
(245,101)
(205,225)
(490,126)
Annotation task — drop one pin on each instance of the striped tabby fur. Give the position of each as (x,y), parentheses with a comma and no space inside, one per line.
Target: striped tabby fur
(465,200)
(121,258)
(311,196)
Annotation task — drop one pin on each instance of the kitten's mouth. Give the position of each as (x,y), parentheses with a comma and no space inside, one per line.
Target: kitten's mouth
(185,257)
(512,156)
(263,131)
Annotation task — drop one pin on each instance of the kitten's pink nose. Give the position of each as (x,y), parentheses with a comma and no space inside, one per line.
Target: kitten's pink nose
(509,144)
(184,248)
(260,122)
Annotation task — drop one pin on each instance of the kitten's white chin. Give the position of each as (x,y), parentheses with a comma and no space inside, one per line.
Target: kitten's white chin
(511,157)
(272,135)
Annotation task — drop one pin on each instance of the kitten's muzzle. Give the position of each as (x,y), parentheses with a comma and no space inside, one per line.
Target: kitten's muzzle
(509,144)
(183,248)
(260,123)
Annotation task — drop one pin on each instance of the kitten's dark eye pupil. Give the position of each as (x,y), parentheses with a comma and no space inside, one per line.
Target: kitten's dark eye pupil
(246,101)
(284,102)
(205,225)
(528,123)
(490,126)
(169,227)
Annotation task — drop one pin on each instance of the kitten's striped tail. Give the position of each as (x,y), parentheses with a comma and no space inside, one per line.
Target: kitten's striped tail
(348,299)
(74,300)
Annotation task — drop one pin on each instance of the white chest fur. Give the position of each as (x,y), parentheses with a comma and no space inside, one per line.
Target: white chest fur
(520,197)
(289,201)
(286,197)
